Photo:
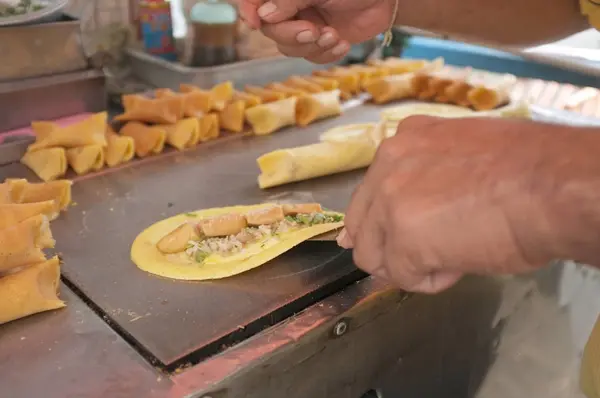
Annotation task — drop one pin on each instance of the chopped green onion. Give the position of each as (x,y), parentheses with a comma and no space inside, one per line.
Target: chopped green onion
(200,256)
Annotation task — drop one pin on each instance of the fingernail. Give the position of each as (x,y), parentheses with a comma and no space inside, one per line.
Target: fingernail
(305,37)
(266,9)
(326,40)
(340,49)
(344,240)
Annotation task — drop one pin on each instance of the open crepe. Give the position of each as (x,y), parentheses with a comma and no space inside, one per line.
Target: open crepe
(87,132)
(22,244)
(30,291)
(48,163)
(268,118)
(222,242)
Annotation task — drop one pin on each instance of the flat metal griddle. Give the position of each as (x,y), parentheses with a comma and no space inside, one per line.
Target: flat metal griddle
(173,321)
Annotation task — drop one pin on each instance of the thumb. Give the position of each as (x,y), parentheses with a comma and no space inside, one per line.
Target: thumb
(275,11)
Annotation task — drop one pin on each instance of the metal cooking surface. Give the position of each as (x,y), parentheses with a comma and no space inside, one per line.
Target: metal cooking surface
(171,319)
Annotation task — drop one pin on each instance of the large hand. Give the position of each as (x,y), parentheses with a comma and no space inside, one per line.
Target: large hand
(445,197)
(318,30)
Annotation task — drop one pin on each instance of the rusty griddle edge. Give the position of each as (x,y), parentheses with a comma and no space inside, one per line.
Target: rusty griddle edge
(231,339)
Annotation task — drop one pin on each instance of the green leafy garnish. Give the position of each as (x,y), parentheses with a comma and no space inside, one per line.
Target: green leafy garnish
(190,214)
(337,217)
(200,256)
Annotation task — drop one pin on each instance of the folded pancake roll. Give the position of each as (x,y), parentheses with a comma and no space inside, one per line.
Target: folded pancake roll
(394,88)
(85,159)
(397,66)
(183,134)
(432,87)
(22,244)
(166,110)
(48,163)
(326,83)
(148,140)
(209,127)
(86,132)
(57,191)
(265,94)
(120,149)
(285,166)
(223,242)
(221,94)
(268,118)
(490,90)
(250,100)
(285,89)
(232,117)
(309,86)
(12,214)
(368,73)
(30,291)
(457,93)
(310,108)
(349,83)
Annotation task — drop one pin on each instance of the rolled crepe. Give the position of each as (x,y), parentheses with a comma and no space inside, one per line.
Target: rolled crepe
(48,163)
(222,93)
(120,149)
(87,132)
(183,134)
(22,243)
(30,291)
(232,117)
(148,140)
(484,99)
(165,110)
(11,191)
(195,102)
(268,118)
(284,166)
(209,127)
(317,106)
(457,93)
(287,90)
(433,87)
(327,84)
(27,192)
(397,66)
(12,214)
(311,86)
(86,158)
(250,100)
(393,88)
(349,79)
(266,95)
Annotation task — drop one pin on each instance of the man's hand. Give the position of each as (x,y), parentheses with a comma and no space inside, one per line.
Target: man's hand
(446,197)
(318,30)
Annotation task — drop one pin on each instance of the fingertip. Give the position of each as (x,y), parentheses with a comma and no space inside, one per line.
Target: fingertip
(340,49)
(344,240)
(269,13)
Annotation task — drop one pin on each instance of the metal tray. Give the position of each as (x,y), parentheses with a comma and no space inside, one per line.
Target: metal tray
(41,50)
(165,74)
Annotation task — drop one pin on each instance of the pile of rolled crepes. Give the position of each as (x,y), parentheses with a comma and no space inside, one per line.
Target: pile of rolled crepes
(86,146)
(29,281)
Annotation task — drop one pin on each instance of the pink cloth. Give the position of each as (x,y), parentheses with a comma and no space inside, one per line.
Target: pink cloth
(65,121)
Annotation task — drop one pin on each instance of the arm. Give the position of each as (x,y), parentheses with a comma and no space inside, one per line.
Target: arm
(504,22)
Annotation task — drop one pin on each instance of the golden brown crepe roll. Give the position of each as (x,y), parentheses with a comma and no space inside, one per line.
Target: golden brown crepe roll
(87,132)
(266,95)
(265,216)
(349,82)
(317,106)
(434,87)
(177,240)
(86,158)
(457,93)
(270,117)
(120,149)
(400,65)
(22,243)
(30,291)
(196,102)
(392,88)
(250,100)
(165,110)
(148,140)
(301,208)
(309,86)
(225,225)
(209,127)
(221,94)
(183,134)
(232,117)
(327,84)
(12,214)
(58,191)
(284,166)
(485,99)
(288,91)
(48,164)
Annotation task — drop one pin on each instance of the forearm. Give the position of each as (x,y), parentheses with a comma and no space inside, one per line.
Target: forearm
(504,22)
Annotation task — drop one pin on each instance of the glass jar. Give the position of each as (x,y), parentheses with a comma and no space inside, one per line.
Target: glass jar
(213,25)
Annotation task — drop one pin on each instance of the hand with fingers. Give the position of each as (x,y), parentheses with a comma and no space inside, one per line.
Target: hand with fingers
(318,30)
(448,197)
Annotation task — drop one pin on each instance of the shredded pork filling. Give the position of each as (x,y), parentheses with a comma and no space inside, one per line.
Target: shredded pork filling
(232,244)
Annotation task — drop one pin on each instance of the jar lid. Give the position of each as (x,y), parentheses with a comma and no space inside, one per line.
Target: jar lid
(213,12)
